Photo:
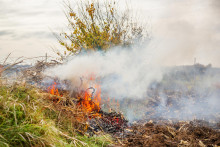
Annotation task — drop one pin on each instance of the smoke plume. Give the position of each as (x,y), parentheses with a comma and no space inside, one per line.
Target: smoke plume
(182,30)
(125,72)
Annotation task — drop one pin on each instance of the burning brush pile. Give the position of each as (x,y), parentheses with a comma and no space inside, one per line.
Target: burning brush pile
(84,105)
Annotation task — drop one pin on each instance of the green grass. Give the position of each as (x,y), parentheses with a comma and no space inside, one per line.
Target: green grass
(25,121)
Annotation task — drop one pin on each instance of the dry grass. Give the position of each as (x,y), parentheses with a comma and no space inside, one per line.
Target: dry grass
(29,118)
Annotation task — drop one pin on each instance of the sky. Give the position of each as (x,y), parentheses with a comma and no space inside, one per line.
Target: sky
(26,26)
(180,30)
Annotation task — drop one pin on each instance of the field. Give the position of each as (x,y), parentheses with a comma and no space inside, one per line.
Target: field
(177,111)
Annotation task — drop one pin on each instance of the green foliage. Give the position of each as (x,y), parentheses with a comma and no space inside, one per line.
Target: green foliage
(25,121)
(99,25)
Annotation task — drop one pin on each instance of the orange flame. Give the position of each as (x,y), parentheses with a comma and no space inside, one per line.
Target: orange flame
(91,100)
(54,90)
(92,104)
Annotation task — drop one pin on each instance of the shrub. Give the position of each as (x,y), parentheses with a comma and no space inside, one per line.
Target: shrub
(99,25)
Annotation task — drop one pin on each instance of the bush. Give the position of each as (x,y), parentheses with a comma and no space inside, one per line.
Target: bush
(99,25)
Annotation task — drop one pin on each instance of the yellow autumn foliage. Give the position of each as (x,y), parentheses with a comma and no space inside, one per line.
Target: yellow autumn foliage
(97,25)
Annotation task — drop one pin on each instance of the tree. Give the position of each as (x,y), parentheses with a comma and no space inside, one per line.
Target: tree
(99,25)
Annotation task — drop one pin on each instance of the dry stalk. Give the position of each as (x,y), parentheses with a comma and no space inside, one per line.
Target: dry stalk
(6,58)
(4,69)
(72,138)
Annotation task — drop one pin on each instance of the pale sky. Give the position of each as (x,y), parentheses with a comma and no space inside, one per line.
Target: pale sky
(181,29)
(25,26)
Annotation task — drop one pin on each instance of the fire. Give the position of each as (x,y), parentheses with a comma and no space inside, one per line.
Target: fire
(54,90)
(91,98)
(90,103)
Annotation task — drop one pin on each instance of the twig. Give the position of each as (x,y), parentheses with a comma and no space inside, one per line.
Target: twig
(4,69)
(6,59)
(56,61)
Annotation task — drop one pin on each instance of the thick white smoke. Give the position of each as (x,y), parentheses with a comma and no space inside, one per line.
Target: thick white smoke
(128,73)
(125,72)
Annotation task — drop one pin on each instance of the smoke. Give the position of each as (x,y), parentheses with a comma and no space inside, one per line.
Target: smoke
(185,29)
(182,31)
(183,93)
(124,72)
(197,99)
